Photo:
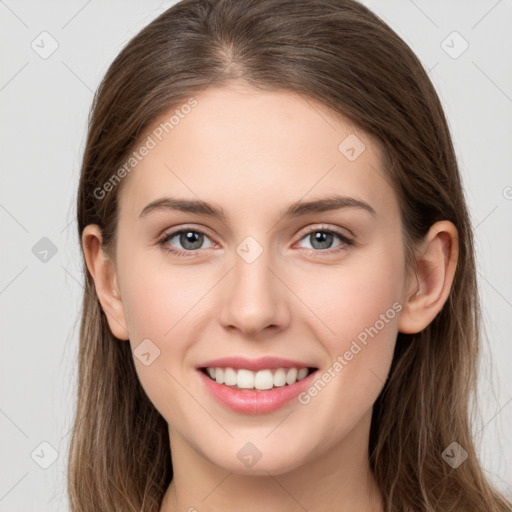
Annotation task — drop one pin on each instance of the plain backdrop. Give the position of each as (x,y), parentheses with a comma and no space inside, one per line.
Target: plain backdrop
(44,102)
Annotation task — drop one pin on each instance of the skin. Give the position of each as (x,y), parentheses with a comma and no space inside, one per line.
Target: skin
(253,153)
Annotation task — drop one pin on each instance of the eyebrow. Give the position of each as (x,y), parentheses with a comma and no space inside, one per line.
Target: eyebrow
(297,209)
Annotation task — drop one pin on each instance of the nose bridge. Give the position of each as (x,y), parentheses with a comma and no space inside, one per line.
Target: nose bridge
(255,295)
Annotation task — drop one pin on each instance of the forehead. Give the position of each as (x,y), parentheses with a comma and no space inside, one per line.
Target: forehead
(247,148)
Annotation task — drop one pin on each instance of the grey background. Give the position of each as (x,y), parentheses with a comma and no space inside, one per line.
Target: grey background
(44,105)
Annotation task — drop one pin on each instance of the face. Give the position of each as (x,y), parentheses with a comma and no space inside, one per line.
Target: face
(320,288)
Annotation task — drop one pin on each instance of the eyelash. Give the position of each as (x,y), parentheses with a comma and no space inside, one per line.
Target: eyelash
(346,242)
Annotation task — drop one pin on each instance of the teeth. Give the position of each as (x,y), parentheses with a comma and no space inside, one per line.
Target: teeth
(291,376)
(303,372)
(219,375)
(230,377)
(280,377)
(261,380)
(244,379)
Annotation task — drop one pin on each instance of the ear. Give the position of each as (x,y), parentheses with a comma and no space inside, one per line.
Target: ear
(102,270)
(428,288)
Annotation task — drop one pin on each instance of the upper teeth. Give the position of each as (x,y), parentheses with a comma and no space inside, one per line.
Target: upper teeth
(263,379)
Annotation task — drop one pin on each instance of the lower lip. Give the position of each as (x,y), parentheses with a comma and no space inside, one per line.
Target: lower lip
(256,402)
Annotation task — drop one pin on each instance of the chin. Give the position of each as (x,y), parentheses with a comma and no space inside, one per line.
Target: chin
(249,460)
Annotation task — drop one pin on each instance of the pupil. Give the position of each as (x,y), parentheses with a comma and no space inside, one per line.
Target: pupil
(188,238)
(324,239)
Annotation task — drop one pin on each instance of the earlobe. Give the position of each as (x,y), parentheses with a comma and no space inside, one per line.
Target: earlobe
(428,289)
(102,270)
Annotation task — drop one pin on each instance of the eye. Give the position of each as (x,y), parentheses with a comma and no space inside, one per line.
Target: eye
(321,240)
(190,239)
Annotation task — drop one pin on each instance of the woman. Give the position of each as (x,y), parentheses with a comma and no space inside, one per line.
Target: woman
(224,365)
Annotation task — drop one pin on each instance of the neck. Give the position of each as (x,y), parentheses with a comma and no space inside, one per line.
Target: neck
(336,479)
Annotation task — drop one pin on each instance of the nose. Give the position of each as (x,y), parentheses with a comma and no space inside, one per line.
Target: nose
(255,297)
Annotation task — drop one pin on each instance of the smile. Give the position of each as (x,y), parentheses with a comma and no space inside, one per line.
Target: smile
(249,399)
(244,379)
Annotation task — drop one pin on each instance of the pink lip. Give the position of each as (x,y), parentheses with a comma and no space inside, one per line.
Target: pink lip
(263,363)
(252,401)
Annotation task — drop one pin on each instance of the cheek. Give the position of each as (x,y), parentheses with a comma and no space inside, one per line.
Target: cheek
(161,305)
(354,295)
(159,300)
(359,308)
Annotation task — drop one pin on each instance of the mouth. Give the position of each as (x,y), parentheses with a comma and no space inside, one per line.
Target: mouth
(255,385)
(261,390)
(243,379)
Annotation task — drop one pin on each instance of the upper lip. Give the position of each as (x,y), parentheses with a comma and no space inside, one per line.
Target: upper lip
(262,363)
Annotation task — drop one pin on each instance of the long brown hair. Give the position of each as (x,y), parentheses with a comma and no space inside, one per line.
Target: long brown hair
(339,53)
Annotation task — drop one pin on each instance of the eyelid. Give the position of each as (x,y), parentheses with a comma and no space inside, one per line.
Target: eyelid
(174,230)
(323,227)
